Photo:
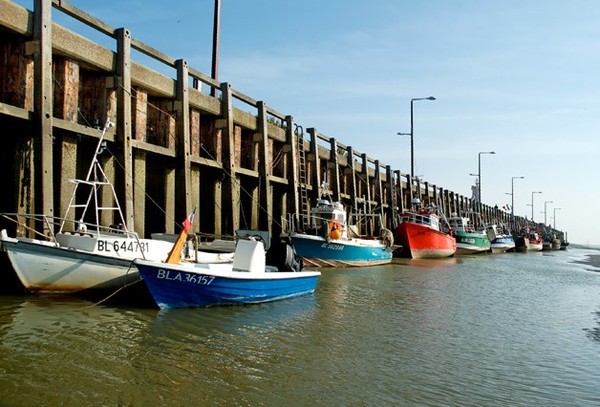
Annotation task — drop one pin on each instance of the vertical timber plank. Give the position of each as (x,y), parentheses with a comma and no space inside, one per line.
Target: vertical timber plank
(292,139)
(182,107)
(231,199)
(313,157)
(43,104)
(335,169)
(124,119)
(265,210)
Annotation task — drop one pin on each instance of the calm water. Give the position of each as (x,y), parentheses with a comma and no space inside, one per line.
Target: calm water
(514,329)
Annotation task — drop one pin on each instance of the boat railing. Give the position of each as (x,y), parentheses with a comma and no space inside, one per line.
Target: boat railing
(29,225)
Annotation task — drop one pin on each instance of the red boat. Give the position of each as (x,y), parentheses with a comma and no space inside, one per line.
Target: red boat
(421,236)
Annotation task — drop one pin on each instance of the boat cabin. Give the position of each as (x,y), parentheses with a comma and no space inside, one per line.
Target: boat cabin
(328,215)
(422,218)
(460,223)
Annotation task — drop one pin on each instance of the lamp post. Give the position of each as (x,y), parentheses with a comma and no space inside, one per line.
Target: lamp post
(555,217)
(512,193)
(545,211)
(479,171)
(534,192)
(214,74)
(412,133)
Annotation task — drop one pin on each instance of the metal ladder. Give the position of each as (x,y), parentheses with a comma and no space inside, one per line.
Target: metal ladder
(95,180)
(304,204)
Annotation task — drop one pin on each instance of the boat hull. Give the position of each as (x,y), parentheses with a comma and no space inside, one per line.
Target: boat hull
(179,286)
(51,269)
(318,252)
(502,244)
(471,243)
(422,242)
(525,244)
(87,263)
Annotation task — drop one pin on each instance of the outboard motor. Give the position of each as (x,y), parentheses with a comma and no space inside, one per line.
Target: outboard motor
(292,261)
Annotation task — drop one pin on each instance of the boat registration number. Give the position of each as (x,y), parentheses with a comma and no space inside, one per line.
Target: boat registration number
(184,277)
(467,240)
(122,246)
(331,246)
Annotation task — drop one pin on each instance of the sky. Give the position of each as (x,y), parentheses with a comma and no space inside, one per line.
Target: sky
(517,77)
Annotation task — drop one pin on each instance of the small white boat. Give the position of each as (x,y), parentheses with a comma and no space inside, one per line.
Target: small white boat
(83,256)
(501,239)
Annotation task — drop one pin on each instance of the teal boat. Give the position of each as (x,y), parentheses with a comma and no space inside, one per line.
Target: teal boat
(469,239)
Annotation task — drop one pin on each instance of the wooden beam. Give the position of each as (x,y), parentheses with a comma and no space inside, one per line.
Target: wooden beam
(124,119)
(43,105)
(265,203)
(182,107)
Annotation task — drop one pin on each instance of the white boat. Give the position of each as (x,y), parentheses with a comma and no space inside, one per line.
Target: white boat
(81,255)
(500,237)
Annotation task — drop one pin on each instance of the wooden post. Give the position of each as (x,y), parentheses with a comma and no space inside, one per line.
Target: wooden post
(124,119)
(231,201)
(316,163)
(265,210)
(183,184)
(352,181)
(391,188)
(43,106)
(292,139)
(66,101)
(367,198)
(335,169)
(378,186)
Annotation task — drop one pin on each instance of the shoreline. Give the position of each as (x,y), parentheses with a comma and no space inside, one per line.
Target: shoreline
(591,260)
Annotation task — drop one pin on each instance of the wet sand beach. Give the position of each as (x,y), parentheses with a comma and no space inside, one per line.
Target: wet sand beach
(592,260)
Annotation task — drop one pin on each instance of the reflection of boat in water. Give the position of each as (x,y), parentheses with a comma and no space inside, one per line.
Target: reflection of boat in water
(428,263)
(60,323)
(175,322)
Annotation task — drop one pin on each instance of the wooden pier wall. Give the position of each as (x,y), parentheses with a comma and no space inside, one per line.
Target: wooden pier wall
(174,146)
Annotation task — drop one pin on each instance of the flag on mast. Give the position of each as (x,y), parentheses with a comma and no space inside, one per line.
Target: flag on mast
(175,253)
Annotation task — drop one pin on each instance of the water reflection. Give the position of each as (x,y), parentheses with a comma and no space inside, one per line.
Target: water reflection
(234,320)
(489,330)
(594,333)
(428,263)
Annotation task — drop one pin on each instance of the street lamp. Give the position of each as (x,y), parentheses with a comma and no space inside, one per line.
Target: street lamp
(215,46)
(479,171)
(546,202)
(534,192)
(512,193)
(412,133)
(555,217)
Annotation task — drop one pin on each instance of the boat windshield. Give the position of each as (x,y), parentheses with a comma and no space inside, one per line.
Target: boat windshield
(425,220)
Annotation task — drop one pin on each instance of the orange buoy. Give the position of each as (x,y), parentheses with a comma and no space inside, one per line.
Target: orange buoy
(335,229)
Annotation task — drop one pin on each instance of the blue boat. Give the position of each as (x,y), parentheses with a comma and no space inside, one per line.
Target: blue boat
(247,279)
(332,242)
